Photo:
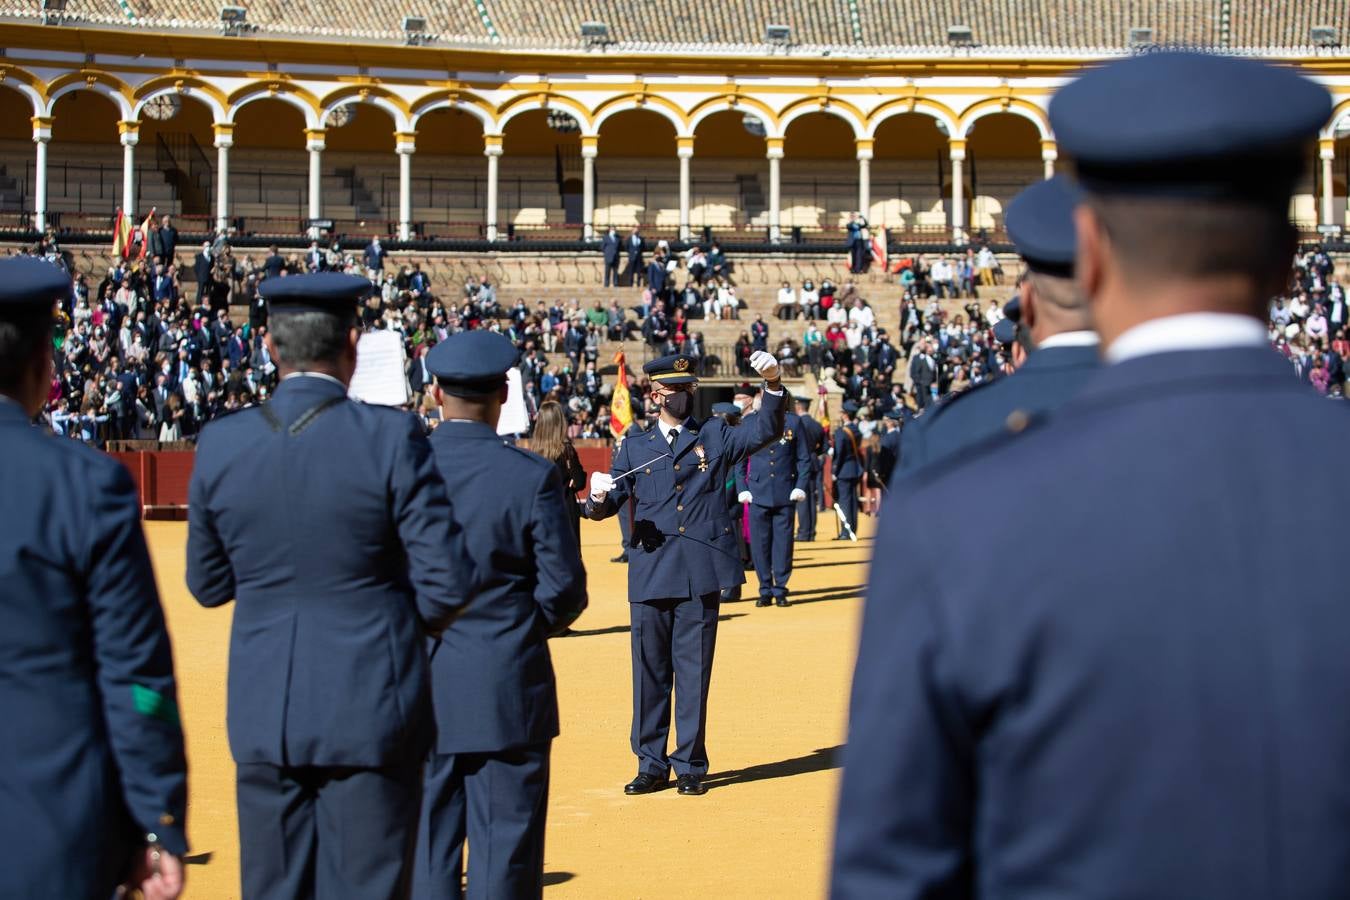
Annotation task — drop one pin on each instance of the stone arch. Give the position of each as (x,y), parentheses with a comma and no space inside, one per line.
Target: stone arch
(731,102)
(187,86)
(832,106)
(298,97)
(515,106)
(368,93)
(470,103)
(1012,105)
(942,113)
(659,105)
(1339,113)
(26,83)
(109,86)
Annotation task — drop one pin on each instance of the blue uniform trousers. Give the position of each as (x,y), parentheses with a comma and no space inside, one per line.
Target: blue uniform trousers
(673,643)
(499,802)
(806,510)
(319,831)
(771,547)
(846,495)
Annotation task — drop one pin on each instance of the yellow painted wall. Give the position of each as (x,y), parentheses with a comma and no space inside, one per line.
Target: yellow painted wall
(637,133)
(371,131)
(1005,136)
(269,124)
(819,136)
(15,116)
(450,132)
(722,136)
(910,136)
(84,117)
(193,118)
(528,134)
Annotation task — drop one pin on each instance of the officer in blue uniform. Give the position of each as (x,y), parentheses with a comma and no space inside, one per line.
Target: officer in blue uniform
(772,481)
(1052,321)
(731,414)
(91,769)
(812,434)
(492,679)
(682,555)
(326,522)
(891,441)
(847,468)
(1136,689)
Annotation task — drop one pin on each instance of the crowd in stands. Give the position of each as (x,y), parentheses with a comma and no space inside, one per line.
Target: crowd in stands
(141,357)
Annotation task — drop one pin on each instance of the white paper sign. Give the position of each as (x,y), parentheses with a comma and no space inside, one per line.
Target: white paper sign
(379,376)
(515,418)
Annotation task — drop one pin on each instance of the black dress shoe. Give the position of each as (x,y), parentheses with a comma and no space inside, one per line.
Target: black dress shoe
(781,601)
(645,783)
(622,557)
(692,786)
(762,601)
(842,537)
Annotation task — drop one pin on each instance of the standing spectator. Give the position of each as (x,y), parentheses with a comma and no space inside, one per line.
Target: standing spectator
(164,240)
(549,440)
(759,333)
(374,255)
(201,271)
(633,247)
(609,249)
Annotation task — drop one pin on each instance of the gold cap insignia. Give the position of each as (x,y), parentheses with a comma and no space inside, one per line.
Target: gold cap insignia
(681,364)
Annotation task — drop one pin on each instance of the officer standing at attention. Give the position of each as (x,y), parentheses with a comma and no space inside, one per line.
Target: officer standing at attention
(491,675)
(327,523)
(1054,321)
(731,414)
(812,434)
(91,769)
(847,468)
(772,481)
(1126,695)
(682,555)
(891,441)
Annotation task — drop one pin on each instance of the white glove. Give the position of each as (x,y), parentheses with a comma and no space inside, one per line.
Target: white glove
(601,484)
(765,365)
(797,494)
(744,497)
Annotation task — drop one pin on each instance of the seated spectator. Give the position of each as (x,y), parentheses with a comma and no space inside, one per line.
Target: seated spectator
(810,300)
(944,279)
(786,306)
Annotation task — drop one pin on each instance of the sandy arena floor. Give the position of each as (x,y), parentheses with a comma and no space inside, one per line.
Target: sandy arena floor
(777,718)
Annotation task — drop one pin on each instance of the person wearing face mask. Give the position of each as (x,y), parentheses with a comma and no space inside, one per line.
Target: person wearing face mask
(682,554)
(1047,324)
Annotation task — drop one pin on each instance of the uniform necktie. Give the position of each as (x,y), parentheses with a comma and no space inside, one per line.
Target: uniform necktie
(674,433)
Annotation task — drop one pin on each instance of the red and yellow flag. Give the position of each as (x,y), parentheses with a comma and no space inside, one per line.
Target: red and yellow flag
(621,404)
(146,226)
(121,235)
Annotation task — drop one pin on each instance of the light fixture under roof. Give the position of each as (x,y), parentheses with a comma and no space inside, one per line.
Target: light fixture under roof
(960,36)
(778,34)
(595,32)
(340,116)
(415,31)
(233,20)
(163,107)
(1324,36)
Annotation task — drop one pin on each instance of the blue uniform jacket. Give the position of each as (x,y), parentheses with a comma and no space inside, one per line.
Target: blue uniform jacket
(1045,381)
(683,543)
(1139,688)
(491,674)
(777,468)
(813,436)
(846,463)
(338,546)
(91,760)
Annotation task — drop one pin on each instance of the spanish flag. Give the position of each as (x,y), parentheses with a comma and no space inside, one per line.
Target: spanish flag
(621,403)
(121,235)
(879,246)
(146,226)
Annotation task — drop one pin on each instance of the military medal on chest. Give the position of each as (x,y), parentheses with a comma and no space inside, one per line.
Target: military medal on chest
(702,457)
(787,436)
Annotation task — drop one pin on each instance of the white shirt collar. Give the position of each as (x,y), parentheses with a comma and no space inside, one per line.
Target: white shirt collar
(1190,331)
(667,429)
(1070,339)
(314,375)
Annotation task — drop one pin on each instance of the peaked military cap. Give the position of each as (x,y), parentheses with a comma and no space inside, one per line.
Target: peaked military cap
(471,363)
(1183,124)
(328,292)
(1005,329)
(745,389)
(726,409)
(850,407)
(1040,222)
(28,285)
(674,369)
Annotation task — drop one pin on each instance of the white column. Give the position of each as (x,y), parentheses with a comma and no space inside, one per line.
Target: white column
(224,141)
(42,133)
(1049,154)
(405,145)
(685,151)
(864,148)
(1327,152)
(130,132)
(775,156)
(492,150)
(590,148)
(314,143)
(958,214)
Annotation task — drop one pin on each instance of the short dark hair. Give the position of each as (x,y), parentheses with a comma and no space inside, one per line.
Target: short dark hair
(23,338)
(309,337)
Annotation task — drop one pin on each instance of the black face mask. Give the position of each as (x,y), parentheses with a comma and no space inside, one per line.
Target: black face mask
(679,404)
